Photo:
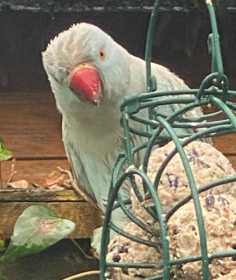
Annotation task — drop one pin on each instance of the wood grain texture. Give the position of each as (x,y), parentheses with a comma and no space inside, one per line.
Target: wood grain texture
(84,215)
(30,125)
(33,171)
(39,195)
(226,143)
(232,159)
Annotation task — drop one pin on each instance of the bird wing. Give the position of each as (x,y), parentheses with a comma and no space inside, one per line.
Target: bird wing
(77,166)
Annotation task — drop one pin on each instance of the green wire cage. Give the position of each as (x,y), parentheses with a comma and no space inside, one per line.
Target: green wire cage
(155,130)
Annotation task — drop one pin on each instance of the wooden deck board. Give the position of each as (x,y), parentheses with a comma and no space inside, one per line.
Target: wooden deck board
(33,171)
(65,203)
(84,215)
(226,144)
(232,159)
(31,128)
(30,125)
(38,195)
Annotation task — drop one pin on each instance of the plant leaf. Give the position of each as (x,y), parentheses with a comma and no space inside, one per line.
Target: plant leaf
(2,245)
(36,229)
(5,154)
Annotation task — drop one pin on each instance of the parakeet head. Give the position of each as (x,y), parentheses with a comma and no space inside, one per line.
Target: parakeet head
(86,67)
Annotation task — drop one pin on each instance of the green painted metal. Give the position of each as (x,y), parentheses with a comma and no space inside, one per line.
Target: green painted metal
(158,129)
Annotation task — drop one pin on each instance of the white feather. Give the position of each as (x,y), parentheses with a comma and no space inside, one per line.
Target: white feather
(92,135)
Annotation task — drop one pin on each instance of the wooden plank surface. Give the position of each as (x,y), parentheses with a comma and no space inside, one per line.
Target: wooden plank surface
(36,171)
(83,214)
(38,195)
(226,143)
(33,171)
(30,125)
(232,159)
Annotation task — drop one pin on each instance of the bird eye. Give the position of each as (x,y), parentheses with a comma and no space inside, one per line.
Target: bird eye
(102,54)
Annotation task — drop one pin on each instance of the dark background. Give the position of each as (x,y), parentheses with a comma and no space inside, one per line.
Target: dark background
(26,27)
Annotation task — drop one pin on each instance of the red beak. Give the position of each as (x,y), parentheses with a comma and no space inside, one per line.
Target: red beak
(85,81)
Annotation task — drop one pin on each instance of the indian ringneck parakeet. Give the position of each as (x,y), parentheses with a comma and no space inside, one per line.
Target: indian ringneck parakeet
(90,75)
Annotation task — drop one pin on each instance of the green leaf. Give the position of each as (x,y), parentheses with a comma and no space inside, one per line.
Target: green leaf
(5,154)
(2,245)
(36,229)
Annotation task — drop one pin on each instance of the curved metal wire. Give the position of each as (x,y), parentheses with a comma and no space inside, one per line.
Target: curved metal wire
(196,200)
(107,224)
(150,80)
(157,129)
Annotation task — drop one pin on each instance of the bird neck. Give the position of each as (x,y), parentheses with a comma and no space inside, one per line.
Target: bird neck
(94,121)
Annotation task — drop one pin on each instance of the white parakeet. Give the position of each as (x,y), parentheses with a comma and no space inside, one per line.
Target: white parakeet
(90,74)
